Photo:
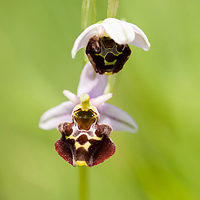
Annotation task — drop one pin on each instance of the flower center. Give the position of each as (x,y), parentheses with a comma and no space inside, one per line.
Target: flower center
(85,114)
(106,56)
(109,51)
(85,118)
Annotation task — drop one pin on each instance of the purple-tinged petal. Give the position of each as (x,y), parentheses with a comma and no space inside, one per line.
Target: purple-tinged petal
(141,39)
(83,38)
(120,31)
(101,99)
(118,119)
(54,116)
(71,96)
(91,83)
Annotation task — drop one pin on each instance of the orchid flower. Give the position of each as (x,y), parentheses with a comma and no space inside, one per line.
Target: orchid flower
(85,124)
(107,44)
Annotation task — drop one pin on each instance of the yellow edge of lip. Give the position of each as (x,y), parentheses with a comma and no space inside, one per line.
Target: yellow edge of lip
(108,73)
(80,163)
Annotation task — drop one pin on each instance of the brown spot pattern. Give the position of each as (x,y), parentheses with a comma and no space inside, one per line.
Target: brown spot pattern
(98,151)
(97,57)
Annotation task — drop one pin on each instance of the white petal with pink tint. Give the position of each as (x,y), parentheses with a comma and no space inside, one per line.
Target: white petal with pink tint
(120,31)
(118,119)
(91,83)
(83,38)
(101,99)
(141,39)
(71,96)
(54,116)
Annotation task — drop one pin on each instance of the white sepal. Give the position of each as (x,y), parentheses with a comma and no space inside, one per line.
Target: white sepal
(83,38)
(91,83)
(54,116)
(120,31)
(118,119)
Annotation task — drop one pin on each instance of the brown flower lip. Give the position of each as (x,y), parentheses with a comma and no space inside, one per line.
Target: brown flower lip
(81,147)
(106,56)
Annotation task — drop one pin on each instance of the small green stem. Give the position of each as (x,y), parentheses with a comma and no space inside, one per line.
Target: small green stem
(85,13)
(112,82)
(112,8)
(83,183)
(88,16)
(94,11)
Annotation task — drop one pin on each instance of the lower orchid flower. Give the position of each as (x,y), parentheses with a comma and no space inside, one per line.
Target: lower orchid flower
(85,124)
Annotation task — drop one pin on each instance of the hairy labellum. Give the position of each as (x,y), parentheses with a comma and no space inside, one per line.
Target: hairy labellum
(84,147)
(106,56)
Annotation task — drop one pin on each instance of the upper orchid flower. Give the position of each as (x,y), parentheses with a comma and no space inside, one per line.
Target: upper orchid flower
(106,44)
(85,124)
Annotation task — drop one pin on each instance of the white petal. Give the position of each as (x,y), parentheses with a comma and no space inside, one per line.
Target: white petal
(71,96)
(141,39)
(101,99)
(52,117)
(120,31)
(91,83)
(83,38)
(118,119)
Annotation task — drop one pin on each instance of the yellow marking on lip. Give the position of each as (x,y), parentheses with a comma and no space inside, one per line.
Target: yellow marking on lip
(110,63)
(85,146)
(108,73)
(84,133)
(104,52)
(80,163)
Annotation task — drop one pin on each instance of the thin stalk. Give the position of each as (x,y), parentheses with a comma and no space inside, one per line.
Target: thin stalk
(88,17)
(83,183)
(112,8)
(88,13)
(112,83)
(94,11)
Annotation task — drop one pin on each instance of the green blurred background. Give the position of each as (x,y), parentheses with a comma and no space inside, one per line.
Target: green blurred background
(159,88)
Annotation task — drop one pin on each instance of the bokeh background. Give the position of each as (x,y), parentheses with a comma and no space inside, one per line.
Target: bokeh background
(159,88)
